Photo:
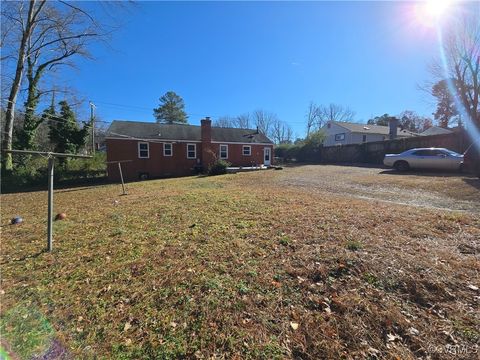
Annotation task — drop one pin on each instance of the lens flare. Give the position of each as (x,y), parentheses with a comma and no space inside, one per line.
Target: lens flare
(431,12)
(473,131)
(436,8)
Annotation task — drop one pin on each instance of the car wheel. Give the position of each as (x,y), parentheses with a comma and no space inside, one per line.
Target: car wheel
(401,165)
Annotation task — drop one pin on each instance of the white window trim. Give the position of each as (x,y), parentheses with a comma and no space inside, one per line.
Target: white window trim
(339,134)
(249,150)
(171,149)
(148,150)
(195,148)
(220,151)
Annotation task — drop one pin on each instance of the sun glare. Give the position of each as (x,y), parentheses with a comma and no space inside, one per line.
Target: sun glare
(430,12)
(436,8)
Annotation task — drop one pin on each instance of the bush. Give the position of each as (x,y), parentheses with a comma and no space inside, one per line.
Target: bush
(219,167)
(307,150)
(31,170)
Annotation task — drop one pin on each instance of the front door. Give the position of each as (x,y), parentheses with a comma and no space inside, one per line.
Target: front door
(267,153)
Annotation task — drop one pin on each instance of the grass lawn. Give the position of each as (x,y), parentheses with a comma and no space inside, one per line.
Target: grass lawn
(237,266)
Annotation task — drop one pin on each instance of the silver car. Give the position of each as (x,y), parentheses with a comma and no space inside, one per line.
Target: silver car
(425,158)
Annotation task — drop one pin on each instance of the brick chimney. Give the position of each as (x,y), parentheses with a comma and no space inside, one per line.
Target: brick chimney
(206,130)
(393,124)
(208,154)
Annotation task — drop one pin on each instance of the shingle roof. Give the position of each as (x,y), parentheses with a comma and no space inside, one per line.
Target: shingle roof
(373,129)
(436,130)
(150,131)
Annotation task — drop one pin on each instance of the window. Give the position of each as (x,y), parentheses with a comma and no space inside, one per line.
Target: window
(223,151)
(247,150)
(143,150)
(428,153)
(167,150)
(364,138)
(191,151)
(340,137)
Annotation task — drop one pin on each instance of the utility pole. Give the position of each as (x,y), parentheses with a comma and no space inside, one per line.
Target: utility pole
(92,122)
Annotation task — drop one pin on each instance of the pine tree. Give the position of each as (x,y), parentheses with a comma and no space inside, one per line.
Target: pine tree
(171,109)
(65,134)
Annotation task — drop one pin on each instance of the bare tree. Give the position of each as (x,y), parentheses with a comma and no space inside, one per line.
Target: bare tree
(281,132)
(225,122)
(46,35)
(411,121)
(27,24)
(263,120)
(243,121)
(312,117)
(333,112)
(460,66)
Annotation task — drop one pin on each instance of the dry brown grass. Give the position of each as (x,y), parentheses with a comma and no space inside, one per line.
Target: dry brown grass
(227,266)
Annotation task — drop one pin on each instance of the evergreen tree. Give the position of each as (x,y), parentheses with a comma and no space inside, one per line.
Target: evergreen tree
(171,109)
(65,134)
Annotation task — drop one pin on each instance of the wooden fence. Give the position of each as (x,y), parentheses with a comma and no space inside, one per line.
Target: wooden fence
(374,152)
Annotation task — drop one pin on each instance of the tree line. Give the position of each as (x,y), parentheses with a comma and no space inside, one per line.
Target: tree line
(171,110)
(40,39)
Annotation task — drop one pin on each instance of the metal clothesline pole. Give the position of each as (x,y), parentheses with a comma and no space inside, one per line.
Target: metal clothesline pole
(51,161)
(119,162)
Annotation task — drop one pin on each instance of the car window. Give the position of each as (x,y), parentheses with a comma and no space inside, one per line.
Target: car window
(429,153)
(450,152)
(422,153)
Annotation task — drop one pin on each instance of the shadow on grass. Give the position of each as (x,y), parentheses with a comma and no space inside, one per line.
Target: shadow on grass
(428,173)
(25,257)
(473,181)
(57,185)
(346,164)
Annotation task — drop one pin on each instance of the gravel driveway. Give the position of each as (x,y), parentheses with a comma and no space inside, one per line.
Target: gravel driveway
(446,191)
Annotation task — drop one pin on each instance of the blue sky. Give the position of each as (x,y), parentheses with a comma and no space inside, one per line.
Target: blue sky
(229,58)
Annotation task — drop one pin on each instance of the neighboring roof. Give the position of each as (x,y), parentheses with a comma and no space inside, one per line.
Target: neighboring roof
(372,129)
(149,131)
(436,130)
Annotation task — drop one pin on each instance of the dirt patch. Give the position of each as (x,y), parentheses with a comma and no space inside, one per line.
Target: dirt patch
(432,190)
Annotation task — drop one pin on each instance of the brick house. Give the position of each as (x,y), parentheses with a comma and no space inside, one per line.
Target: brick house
(164,150)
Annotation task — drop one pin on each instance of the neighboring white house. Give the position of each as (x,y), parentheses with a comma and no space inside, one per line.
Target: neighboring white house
(343,133)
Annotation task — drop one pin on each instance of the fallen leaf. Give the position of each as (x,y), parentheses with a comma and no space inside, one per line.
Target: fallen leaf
(127,326)
(276,284)
(413,331)
(294,325)
(393,337)
(473,287)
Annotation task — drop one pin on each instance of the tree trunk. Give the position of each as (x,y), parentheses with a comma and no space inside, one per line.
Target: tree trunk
(12,98)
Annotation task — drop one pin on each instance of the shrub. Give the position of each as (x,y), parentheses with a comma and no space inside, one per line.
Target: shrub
(219,167)
(306,150)
(31,170)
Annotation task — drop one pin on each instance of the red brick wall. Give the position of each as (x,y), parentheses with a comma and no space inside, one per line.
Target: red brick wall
(236,157)
(158,165)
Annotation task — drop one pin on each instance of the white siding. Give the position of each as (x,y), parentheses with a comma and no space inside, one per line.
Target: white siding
(350,137)
(335,130)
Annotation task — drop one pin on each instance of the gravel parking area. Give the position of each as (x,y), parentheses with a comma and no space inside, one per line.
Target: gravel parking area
(446,191)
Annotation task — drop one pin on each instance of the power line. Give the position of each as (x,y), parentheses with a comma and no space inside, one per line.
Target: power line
(56,119)
(135,107)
